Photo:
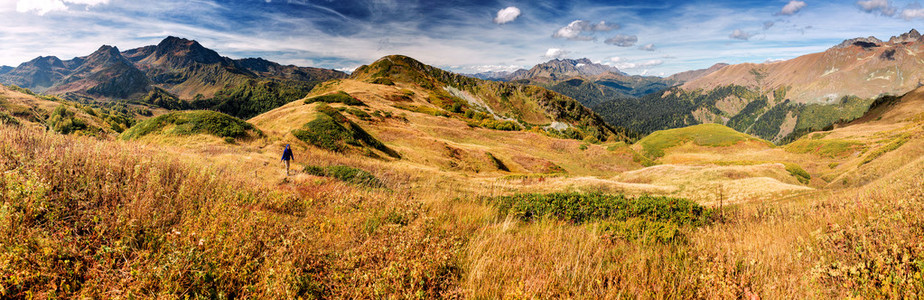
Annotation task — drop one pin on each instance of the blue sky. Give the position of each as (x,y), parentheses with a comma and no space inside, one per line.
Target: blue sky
(657,37)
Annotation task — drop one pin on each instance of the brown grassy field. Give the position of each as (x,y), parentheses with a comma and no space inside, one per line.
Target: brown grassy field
(198,217)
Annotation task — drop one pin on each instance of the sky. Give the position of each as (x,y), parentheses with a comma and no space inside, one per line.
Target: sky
(655,37)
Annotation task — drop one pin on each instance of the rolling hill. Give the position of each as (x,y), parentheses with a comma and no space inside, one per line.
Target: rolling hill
(399,109)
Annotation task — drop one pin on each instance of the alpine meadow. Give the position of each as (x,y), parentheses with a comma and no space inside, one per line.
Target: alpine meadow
(486,149)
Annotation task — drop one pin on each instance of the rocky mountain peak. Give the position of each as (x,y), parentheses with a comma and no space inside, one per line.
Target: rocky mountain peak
(866,43)
(909,37)
(189,50)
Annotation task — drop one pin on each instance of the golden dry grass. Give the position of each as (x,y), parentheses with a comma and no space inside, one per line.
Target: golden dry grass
(194,216)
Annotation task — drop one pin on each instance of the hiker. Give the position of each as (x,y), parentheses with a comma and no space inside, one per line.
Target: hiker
(287,157)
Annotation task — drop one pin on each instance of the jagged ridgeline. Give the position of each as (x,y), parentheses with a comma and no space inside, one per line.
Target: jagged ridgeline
(532,107)
(174,74)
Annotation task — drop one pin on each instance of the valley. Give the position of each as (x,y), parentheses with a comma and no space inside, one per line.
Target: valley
(156,173)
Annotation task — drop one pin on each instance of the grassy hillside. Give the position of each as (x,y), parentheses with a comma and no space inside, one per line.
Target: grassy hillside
(530,106)
(92,218)
(767,114)
(24,107)
(193,122)
(403,119)
(468,211)
(707,135)
(332,131)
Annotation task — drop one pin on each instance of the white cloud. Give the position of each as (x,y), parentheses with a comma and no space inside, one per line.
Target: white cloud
(507,15)
(622,40)
(620,63)
(41,7)
(913,13)
(739,34)
(792,7)
(648,47)
(88,2)
(555,53)
(574,30)
(882,6)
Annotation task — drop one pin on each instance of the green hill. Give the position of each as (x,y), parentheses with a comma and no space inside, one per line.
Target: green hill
(708,135)
(193,122)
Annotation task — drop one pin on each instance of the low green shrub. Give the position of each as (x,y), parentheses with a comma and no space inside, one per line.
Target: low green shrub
(362,115)
(383,80)
(8,119)
(892,145)
(647,219)
(579,208)
(338,97)
(797,172)
(65,121)
(500,125)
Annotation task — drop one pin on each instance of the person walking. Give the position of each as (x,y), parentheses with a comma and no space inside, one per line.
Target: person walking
(287,157)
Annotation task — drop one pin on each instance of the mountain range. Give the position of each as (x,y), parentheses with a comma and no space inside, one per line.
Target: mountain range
(781,101)
(175,68)
(592,83)
(777,101)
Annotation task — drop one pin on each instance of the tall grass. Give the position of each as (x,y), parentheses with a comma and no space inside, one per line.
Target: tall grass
(98,219)
(85,218)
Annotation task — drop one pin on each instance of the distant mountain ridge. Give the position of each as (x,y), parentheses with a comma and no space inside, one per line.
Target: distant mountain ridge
(592,83)
(180,66)
(781,101)
(561,69)
(695,74)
